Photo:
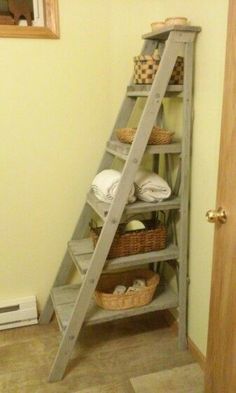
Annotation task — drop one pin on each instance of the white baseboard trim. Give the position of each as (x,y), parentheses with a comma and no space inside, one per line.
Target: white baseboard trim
(18,312)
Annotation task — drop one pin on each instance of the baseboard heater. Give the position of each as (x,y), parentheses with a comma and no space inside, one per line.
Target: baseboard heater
(18,312)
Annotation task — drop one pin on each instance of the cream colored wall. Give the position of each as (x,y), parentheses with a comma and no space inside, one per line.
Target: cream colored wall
(58,101)
(53,113)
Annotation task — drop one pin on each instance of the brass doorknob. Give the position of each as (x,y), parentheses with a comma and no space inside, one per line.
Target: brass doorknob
(218,215)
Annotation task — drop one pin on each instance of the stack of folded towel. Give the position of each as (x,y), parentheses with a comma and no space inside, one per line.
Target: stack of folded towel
(148,186)
(105,184)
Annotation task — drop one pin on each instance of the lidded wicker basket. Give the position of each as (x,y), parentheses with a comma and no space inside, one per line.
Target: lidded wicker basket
(146,66)
(109,301)
(151,238)
(159,136)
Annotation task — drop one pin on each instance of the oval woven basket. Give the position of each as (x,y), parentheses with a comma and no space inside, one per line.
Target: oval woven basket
(109,301)
(159,136)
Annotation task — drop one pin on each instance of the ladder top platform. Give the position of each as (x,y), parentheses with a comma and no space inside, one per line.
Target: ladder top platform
(165,31)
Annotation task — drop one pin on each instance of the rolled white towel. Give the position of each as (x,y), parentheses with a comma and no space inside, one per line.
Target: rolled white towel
(150,187)
(139,283)
(119,290)
(133,289)
(105,184)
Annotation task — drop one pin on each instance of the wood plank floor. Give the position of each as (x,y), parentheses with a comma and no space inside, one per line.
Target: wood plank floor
(106,358)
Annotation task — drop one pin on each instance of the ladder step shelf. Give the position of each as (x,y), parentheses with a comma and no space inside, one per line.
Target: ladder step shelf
(64,299)
(102,208)
(81,255)
(121,150)
(163,33)
(144,90)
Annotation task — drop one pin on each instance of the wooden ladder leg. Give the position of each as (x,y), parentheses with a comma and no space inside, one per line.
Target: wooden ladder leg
(61,278)
(185,191)
(89,284)
(67,264)
(82,225)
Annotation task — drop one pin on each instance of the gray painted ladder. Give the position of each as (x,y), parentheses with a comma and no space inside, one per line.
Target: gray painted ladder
(73,304)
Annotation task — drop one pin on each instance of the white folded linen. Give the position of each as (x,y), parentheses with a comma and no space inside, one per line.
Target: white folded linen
(150,187)
(105,184)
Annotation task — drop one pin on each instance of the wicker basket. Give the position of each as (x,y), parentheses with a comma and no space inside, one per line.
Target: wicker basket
(146,66)
(158,136)
(152,238)
(157,25)
(177,20)
(106,299)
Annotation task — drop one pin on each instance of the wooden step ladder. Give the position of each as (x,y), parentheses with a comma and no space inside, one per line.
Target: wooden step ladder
(73,304)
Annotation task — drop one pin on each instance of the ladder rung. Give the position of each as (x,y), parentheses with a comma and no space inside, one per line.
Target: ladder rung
(122,149)
(116,152)
(80,251)
(144,90)
(102,208)
(64,298)
(82,261)
(81,247)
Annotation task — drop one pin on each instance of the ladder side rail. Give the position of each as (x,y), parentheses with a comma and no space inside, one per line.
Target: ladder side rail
(156,157)
(114,215)
(123,117)
(67,265)
(154,100)
(148,48)
(125,110)
(63,274)
(185,192)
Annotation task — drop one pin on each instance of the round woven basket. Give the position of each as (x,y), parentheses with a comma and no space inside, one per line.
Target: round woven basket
(177,20)
(157,25)
(109,301)
(159,136)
